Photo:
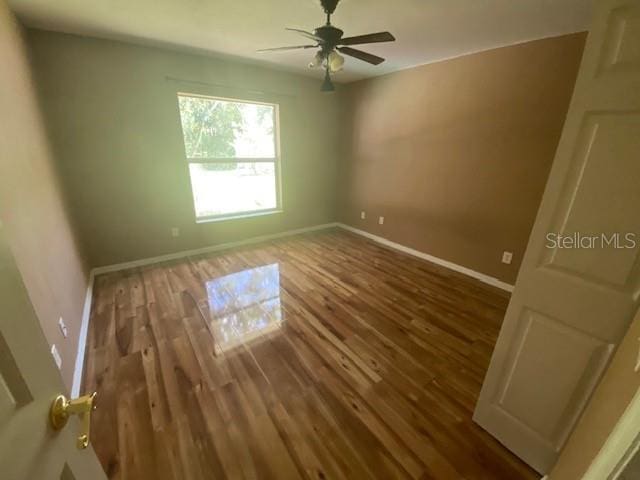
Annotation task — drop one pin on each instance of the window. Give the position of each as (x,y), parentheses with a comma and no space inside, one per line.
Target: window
(232,150)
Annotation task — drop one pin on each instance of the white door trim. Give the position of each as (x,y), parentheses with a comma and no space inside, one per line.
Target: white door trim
(82,338)
(623,442)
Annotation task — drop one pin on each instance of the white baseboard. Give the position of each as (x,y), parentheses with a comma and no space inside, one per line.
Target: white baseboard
(82,339)
(425,256)
(212,248)
(86,312)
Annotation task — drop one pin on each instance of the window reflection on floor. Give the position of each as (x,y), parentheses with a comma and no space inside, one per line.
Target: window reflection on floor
(245,305)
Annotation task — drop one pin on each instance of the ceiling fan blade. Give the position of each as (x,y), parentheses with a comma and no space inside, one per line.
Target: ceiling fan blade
(304,33)
(369,38)
(360,55)
(279,49)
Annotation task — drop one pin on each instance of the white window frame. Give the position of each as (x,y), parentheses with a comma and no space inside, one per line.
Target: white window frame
(276,160)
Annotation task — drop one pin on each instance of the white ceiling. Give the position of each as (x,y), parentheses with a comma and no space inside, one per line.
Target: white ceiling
(426,30)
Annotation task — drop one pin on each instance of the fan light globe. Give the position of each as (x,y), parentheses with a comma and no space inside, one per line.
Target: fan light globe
(335,61)
(317,60)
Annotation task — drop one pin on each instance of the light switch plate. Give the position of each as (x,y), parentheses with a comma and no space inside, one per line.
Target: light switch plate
(507,257)
(363,215)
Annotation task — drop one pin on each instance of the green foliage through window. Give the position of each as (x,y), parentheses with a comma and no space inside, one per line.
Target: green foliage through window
(215,128)
(231,148)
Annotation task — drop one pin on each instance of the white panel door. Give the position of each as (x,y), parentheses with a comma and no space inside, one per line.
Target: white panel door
(30,448)
(572,306)
(29,381)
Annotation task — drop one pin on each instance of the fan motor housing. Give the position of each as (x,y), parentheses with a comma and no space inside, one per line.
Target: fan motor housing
(330,34)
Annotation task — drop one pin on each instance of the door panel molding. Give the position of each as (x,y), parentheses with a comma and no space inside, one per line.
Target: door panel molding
(601,133)
(595,354)
(620,53)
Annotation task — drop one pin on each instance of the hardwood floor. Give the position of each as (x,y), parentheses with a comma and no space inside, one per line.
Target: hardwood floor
(315,356)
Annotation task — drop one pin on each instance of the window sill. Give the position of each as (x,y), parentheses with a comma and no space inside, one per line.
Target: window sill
(237,216)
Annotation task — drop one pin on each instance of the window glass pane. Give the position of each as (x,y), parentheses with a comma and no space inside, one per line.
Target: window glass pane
(215,128)
(227,188)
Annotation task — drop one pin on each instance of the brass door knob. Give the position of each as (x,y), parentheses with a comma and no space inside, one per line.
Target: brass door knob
(62,408)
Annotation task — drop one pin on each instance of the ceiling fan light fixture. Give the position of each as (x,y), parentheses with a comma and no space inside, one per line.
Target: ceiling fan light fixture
(331,42)
(335,61)
(317,60)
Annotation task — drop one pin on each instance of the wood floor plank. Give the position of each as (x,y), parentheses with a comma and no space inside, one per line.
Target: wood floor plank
(316,356)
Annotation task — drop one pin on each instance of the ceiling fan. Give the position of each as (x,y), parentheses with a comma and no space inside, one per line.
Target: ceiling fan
(328,39)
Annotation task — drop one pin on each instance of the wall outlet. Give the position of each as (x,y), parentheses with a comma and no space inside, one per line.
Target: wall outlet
(175,232)
(507,257)
(363,215)
(380,220)
(63,327)
(56,356)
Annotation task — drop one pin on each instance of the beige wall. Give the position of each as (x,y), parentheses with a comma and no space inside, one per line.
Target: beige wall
(32,208)
(455,155)
(483,126)
(115,127)
(613,395)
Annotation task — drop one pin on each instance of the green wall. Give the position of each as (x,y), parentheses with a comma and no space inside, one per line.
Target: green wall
(112,114)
